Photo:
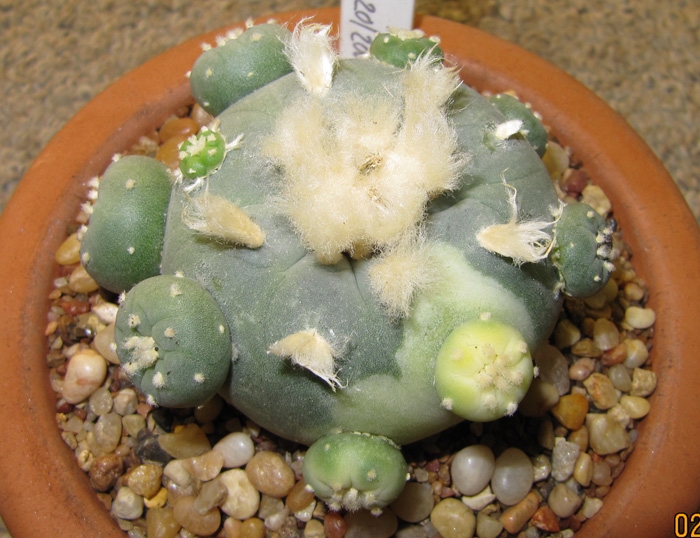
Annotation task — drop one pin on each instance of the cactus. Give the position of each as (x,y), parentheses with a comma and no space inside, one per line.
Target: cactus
(378,234)
(401,48)
(355,470)
(173,341)
(123,243)
(583,251)
(529,125)
(242,64)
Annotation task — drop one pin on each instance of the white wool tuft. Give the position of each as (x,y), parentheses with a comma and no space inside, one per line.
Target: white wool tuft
(221,219)
(521,240)
(309,350)
(313,58)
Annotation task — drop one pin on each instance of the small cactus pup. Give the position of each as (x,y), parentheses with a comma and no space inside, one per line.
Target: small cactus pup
(381,245)
(173,341)
(400,48)
(583,251)
(523,120)
(124,240)
(355,470)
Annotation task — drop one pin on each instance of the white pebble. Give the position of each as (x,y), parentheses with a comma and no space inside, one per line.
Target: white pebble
(237,449)
(106,312)
(636,406)
(591,506)
(606,435)
(564,458)
(85,373)
(127,505)
(620,377)
(481,500)
(643,382)
(637,353)
(563,500)
(640,318)
(243,499)
(553,367)
(472,469)
(512,477)
(125,402)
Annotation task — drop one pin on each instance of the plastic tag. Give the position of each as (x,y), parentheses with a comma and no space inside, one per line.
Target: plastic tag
(361,20)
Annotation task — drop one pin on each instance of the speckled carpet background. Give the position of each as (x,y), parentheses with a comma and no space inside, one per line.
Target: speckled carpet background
(641,56)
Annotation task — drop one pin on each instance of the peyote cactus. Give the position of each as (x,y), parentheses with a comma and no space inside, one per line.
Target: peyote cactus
(384,244)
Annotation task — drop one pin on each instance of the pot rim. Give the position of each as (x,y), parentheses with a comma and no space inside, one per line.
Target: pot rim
(660,478)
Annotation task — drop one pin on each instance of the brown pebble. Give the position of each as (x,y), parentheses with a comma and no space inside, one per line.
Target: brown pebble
(571,410)
(614,356)
(545,519)
(299,497)
(515,517)
(105,471)
(145,479)
(270,474)
(252,528)
(160,523)
(334,525)
(187,516)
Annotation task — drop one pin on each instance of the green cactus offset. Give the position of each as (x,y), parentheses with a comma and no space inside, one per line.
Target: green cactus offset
(382,246)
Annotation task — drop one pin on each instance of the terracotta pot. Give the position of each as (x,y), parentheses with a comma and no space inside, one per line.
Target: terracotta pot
(42,491)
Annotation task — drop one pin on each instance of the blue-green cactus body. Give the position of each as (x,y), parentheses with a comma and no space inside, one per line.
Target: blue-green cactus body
(384,366)
(173,341)
(123,243)
(224,74)
(532,128)
(401,52)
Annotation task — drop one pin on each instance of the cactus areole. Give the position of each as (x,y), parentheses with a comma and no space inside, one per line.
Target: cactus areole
(356,254)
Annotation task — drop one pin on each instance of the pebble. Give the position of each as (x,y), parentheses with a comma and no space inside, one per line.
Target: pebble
(581,369)
(186,442)
(105,471)
(601,474)
(200,524)
(606,436)
(108,432)
(86,372)
(104,344)
(571,410)
(540,398)
(620,377)
(252,528)
(542,466)
(583,469)
(591,506)
(100,401)
(564,457)
(243,499)
(133,424)
(553,367)
(334,525)
(601,390)
(69,251)
(635,406)
(640,318)
(513,476)
(515,517)
(212,494)
(161,523)
(472,469)
(106,312)
(481,500)
(81,282)
(207,466)
(605,334)
(566,334)
(453,519)
(125,402)
(145,479)
(594,196)
(488,526)
(580,437)
(270,474)
(363,524)
(637,353)
(545,519)
(314,529)
(415,502)
(300,497)
(237,449)
(563,500)
(158,500)
(643,382)
(127,504)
